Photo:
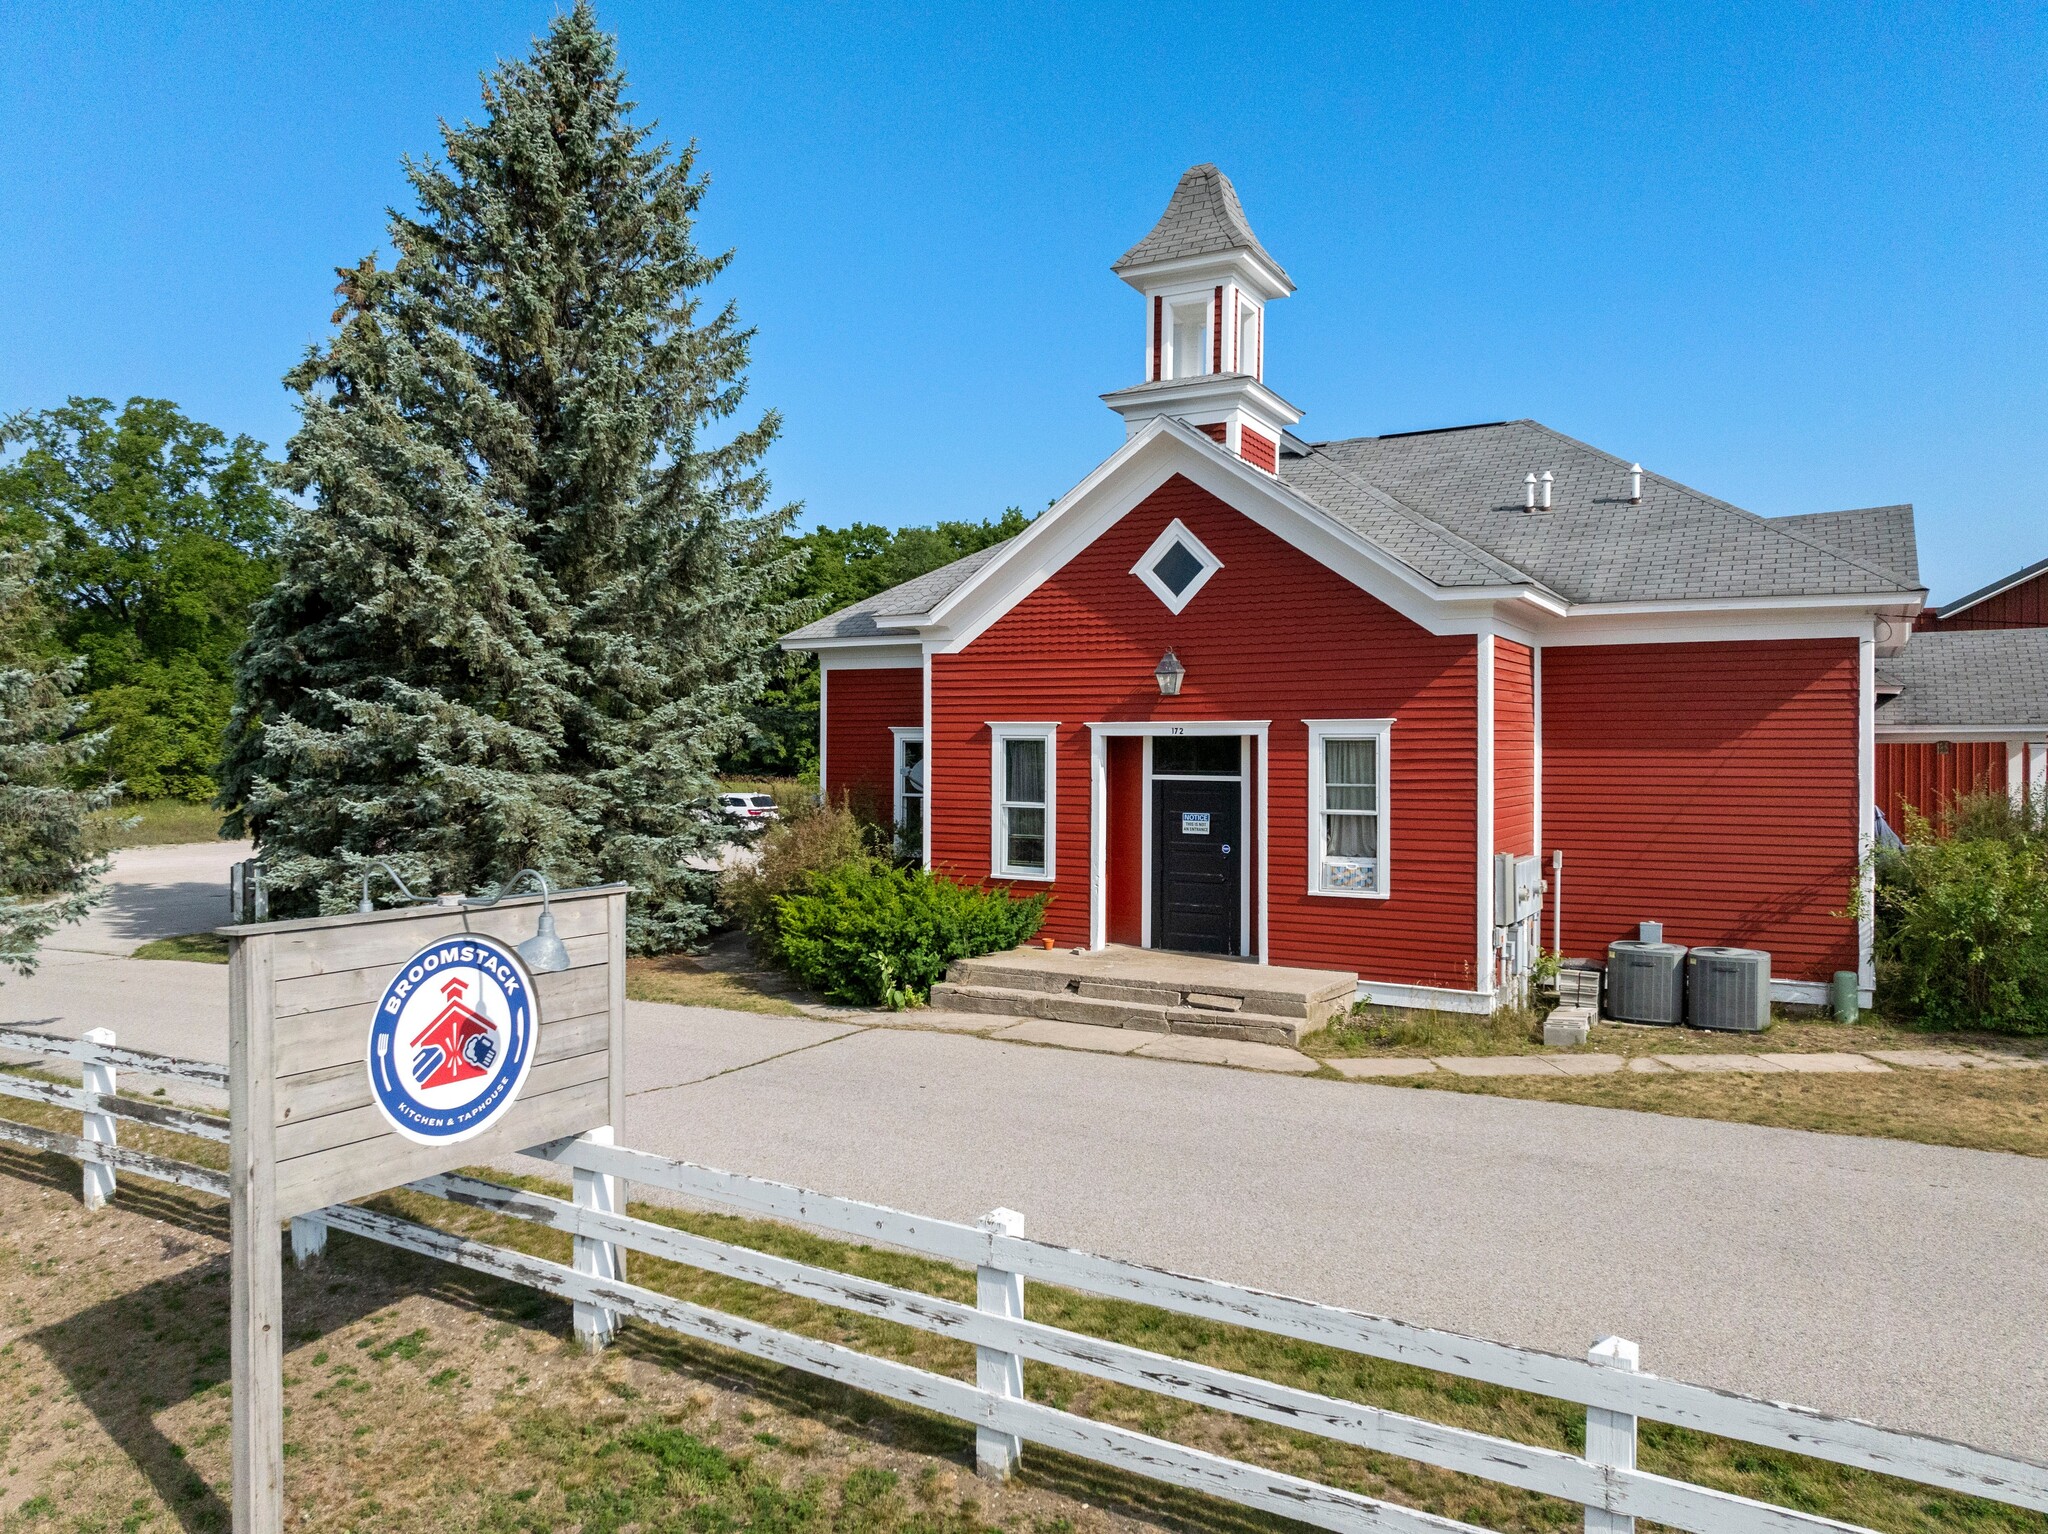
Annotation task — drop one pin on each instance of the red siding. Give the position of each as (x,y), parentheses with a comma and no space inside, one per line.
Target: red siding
(1158,339)
(861,707)
(1273,635)
(1258,451)
(1126,840)
(2025,606)
(1514,748)
(1215,431)
(1708,786)
(1216,335)
(1920,774)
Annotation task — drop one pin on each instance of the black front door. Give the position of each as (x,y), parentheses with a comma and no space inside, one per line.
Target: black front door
(1197,862)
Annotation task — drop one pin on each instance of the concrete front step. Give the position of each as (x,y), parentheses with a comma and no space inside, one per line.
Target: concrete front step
(1224,988)
(1138,1016)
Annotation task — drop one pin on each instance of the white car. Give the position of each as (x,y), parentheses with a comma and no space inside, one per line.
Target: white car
(748,809)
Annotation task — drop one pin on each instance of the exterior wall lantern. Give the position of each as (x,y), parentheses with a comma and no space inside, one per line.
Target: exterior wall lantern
(1168,675)
(544,952)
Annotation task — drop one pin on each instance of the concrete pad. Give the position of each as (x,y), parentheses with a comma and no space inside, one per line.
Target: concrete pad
(1989,1061)
(937,1018)
(1049,1030)
(1703,1064)
(1823,1061)
(1644,1065)
(1257,1057)
(1587,1065)
(1498,1065)
(1927,1059)
(1379,1065)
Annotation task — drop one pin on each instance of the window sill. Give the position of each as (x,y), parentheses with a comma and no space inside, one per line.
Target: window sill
(1352,894)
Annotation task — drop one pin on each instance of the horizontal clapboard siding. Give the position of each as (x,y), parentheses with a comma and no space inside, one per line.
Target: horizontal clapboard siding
(1712,787)
(1273,635)
(861,707)
(1514,748)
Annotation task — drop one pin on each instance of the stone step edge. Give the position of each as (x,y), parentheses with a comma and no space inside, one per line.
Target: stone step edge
(1292,1006)
(996,1001)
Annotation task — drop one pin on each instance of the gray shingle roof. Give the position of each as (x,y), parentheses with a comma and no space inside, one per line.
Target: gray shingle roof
(1592,545)
(1202,218)
(914,596)
(1879,536)
(1968,677)
(1448,505)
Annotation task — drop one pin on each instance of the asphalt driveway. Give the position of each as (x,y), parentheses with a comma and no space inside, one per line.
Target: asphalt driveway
(1899,1282)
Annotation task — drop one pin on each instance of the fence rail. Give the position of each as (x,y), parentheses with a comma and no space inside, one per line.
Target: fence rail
(1604,1480)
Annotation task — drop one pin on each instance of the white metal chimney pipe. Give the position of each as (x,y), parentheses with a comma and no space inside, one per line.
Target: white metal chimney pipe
(1529,493)
(1546,489)
(1635,484)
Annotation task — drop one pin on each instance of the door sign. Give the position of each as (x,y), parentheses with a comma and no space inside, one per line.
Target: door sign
(452,1039)
(1195,823)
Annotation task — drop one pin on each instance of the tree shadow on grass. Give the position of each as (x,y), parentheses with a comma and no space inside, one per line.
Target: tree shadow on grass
(130,1358)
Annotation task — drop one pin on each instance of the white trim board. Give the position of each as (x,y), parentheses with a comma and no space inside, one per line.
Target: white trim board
(998,862)
(1387,993)
(893,655)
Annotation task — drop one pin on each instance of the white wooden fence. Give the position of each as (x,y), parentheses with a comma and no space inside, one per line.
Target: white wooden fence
(1608,1383)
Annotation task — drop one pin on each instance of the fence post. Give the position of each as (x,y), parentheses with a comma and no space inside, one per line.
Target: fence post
(1000,1293)
(1611,1435)
(309,1239)
(596,1326)
(99,1127)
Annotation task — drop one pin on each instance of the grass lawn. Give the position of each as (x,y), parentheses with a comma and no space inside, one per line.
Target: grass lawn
(154,823)
(2004,1110)
(501,1424)
(686,981)
(197,947)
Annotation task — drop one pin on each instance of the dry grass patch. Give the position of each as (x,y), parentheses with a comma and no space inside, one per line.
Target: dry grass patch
(153,823)
(686,981)
(1971,1109)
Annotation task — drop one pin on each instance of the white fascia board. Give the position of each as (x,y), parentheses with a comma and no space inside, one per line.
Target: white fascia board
(1261,276)
(1163,448)
(1690,624)
(1213,391)
(1871,602)
(872,657)
(2010,733)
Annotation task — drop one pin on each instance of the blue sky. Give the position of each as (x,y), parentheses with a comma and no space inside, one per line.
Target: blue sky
(1794,257)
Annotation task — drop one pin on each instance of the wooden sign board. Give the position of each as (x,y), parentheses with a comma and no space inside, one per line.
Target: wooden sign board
(305,1127)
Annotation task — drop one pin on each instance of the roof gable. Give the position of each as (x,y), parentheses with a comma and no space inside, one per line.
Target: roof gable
(1879,536)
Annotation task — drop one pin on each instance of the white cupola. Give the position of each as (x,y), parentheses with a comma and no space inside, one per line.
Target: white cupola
(1206,281)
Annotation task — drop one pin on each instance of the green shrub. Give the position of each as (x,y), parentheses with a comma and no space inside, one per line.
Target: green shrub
(1962,921)
(810,839)
(876,935)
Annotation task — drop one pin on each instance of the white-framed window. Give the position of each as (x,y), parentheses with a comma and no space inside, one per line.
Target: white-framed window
(1176,566)
(1247,337)
(1188,332)
(909,779)
(1021,793)
(1347,807)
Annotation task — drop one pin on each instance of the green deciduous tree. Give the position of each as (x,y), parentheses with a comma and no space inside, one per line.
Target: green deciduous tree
(157,530)
(48,873)
(532,591)
(842,566)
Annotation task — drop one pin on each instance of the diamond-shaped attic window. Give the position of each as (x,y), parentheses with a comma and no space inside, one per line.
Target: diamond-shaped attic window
(1176,566)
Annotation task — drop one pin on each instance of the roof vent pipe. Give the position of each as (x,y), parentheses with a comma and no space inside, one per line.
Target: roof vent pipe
(1635,484)
(1529,493)
(1546,489)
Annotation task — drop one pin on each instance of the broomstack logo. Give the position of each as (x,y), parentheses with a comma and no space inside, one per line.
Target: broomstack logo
(452,1039)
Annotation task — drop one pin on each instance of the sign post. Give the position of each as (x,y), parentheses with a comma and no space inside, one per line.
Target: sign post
(366,1052)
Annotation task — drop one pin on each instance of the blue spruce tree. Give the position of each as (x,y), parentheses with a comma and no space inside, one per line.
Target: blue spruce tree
(532,589)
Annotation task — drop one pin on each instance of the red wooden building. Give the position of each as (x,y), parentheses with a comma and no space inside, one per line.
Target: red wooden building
(1243,692)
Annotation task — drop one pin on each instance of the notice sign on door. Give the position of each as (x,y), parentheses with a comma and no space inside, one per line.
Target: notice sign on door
(1194,822)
